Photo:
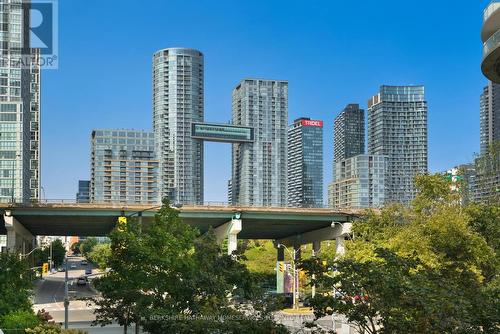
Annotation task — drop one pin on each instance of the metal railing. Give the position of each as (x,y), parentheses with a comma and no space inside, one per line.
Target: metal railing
(117,203)
(491,44)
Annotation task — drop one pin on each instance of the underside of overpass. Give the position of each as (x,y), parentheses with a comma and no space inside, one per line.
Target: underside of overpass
(99,220)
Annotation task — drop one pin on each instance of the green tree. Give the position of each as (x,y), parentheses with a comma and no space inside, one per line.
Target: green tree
(18,321)
(87,245)
(58,252)
(120,288)
(75,248)
(484,219)
(41,256)
(392,277)
(15,284)
(173,280)
(100,255)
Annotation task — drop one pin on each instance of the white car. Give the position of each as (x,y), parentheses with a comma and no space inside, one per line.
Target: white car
(73,266)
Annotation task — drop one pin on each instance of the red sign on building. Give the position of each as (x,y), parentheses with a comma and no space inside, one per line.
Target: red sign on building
(306,122)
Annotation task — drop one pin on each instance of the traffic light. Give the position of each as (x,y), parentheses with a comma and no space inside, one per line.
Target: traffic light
(122,221)
(45,268)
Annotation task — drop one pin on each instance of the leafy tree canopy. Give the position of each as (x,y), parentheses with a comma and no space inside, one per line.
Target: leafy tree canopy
(100,255)
(18,321)
(424,269)
(58,252)
(171,279)
(15,284)
(87,245)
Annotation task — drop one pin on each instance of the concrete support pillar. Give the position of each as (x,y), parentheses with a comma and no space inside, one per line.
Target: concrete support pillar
(345,230)
(229,230)
(316,248)
(339,246)
(19,239)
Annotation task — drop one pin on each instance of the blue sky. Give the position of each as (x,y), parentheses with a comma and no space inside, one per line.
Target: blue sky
(331,52)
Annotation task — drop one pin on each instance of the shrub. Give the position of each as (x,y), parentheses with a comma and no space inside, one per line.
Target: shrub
(18,321)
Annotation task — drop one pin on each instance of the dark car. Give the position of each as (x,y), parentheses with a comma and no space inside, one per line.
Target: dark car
(82,280)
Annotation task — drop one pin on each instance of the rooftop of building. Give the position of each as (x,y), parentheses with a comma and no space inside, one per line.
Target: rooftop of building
(181,49)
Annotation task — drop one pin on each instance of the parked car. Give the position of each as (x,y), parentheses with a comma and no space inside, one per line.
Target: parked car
(82,280)
(84,262)
(73,266)
(88,271)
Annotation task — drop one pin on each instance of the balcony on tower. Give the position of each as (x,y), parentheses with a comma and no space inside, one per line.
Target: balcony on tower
(490,35)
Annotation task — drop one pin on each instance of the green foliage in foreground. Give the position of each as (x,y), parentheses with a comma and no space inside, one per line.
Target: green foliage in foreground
(430,268)
(172,280)
(15,284)
(18,321)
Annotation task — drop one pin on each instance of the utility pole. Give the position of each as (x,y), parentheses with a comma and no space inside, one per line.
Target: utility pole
(66,298)
(295,287)
(51,258)
(137,324)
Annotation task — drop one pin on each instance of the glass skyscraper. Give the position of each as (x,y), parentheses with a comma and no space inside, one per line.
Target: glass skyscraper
(19,106)
(349,133)
(305,163)
(489,116)
(259,169)
(397,128)
(359,182)
(178,101)
(124,168)
(83,194)
(358,178)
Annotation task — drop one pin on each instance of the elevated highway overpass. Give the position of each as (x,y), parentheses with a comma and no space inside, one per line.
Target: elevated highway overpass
(289,226)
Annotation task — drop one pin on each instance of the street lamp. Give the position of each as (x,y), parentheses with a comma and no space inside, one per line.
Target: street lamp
(28,254)
(43,192)
(295,275)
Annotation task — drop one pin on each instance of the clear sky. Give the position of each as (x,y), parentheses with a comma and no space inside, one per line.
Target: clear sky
(331,52)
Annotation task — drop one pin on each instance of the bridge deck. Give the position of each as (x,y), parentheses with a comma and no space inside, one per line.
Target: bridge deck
(98,219)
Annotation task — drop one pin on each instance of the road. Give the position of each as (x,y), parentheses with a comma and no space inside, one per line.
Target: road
(51,288)
(49,295)
(295,323)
